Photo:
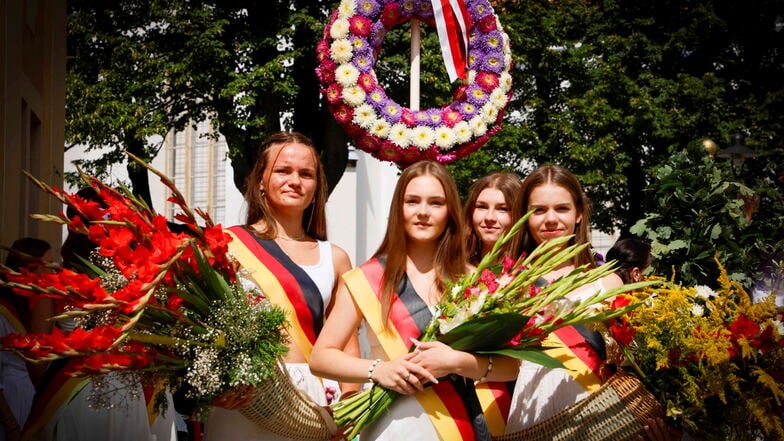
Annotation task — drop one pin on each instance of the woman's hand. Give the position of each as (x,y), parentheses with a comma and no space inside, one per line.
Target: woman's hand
(236,398)
(401,375)
(439,359)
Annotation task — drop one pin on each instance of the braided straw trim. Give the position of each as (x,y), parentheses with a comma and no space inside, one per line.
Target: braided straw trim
(281,408)
(616,411)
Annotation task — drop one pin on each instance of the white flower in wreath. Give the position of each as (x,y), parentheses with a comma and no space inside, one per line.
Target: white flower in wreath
(400,134)
(445,137)
(347,75)
(354,96)
(365,116)
(339,29)
(342,51)
(462,132)
(422,137)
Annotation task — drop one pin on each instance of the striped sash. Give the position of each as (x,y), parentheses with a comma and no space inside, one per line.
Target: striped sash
(584,362)
(9,311)
(284,283)
(409,316)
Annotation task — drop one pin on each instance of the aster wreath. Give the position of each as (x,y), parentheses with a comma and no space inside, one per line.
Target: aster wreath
(389,131)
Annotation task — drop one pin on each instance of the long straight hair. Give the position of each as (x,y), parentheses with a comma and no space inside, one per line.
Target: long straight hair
(314,219)
(449,260)
(557,175)
(509,184)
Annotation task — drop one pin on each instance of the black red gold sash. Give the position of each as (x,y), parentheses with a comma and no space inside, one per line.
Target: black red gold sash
(441,402)
(55,392)
(581,360)
(11,314)
(284,283)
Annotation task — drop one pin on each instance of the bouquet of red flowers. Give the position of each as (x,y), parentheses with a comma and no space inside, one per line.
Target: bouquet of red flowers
(713,359)
(168,305)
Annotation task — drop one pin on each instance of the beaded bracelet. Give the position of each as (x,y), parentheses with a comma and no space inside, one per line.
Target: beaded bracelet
(487,372)
(371,369)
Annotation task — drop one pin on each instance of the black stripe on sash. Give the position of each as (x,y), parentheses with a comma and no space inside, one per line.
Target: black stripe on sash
(309,289)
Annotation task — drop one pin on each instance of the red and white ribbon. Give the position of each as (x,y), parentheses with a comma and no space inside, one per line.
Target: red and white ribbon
(451,18)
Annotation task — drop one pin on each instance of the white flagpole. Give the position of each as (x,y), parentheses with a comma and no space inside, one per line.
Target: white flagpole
(415,63)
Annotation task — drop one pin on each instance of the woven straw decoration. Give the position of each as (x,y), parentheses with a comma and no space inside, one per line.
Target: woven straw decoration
(616,411)
(281,408)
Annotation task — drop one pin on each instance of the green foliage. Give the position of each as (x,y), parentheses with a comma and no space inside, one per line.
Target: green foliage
(696,210)
(609,89)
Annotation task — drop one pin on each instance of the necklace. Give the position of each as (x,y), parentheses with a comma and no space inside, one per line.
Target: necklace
(295,239)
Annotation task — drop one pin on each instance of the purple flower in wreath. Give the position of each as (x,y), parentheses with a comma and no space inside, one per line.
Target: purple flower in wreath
(491,42)
(391,111)
(422,118)
(376,98)
(478,10)
(423,9)
(368,8)
(434,117)
(376,37)
(492,63)
(407,9)
(364,61)
(467,109)
(476,95)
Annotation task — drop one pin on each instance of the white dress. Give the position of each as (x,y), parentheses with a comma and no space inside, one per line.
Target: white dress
(405,419)
(121,417)
(14,381)
(231,425)
(541,392)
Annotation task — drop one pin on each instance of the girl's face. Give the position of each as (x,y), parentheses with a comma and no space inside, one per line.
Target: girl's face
(424,209)
(555,214)
(289,180)
(491,216)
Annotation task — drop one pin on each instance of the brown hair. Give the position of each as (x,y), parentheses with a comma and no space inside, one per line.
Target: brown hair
(554,174)
(449,261)
(509,185)
(314,220)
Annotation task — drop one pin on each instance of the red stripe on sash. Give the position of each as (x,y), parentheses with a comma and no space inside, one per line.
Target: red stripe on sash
(286,279)
(503,396)
(56,393)
(581,348)
(405,327)
(454,404)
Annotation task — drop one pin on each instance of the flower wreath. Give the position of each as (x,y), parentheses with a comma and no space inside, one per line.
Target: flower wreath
(385,129)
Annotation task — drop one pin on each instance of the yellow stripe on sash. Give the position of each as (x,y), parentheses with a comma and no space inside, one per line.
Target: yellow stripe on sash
(272,290)
(13,320)
(56,403)
(393,346)
(496,421)
(581,372)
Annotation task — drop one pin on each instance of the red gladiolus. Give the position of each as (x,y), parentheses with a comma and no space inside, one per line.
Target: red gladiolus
(488,278)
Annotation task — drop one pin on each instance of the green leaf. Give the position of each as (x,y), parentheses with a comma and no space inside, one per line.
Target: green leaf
(492,331)
(533,355)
